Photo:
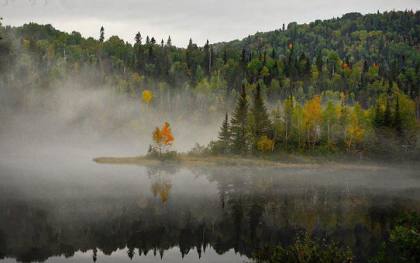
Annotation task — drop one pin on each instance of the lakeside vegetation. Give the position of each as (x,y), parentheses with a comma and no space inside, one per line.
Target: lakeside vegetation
(322,124)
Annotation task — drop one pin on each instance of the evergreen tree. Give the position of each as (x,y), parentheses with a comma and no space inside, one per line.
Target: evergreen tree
(378,120)
(225,58)
(138,38)
(225,135)
(238,125)
(387,114)
(207,58)
(319,63)
(189,56)
(102,35)
(397,119)
(262,123)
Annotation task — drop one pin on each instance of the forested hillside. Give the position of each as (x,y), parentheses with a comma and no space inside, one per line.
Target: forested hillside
(359,55)
(370,63)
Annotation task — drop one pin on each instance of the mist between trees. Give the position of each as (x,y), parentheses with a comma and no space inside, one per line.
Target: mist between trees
(349,84)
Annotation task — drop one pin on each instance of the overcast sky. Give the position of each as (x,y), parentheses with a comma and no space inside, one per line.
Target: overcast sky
(216,20)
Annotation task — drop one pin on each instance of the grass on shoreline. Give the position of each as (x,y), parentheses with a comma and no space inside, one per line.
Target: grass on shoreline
(286,161)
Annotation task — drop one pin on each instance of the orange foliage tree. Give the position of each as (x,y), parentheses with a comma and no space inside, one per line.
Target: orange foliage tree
(163,137)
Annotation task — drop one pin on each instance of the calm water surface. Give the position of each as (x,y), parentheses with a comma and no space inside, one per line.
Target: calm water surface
(65,208)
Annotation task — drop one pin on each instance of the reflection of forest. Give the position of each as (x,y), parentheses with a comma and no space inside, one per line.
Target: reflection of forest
(249,212)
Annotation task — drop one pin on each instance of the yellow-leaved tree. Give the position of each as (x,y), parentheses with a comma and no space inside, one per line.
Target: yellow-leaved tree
(147,96)
(265,144)
(354,131)
(161,187)
(312,119)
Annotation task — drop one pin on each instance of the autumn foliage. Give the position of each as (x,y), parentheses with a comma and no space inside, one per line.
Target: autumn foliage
(162,138)
(147,96)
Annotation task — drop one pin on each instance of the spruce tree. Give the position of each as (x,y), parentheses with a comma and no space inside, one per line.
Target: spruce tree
(102,34)
(225,135)
(137,38)
(319,63)
(238,125)
(262,123)
(397,119)
(378,120)
(387,114)
(207,59)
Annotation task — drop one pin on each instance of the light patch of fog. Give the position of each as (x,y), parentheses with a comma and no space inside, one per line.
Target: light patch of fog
(74,121)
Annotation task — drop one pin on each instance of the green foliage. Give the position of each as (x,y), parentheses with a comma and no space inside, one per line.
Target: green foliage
(306,250)
(262,124)
(154,153)
(225,136)
(239,125)
(356,54)
(325,127)
(404,241)
(372,60)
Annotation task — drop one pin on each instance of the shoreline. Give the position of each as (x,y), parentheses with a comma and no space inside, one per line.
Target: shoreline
(232,161)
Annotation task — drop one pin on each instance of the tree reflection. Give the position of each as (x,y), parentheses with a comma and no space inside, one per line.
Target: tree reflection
(161,182)
(240,216)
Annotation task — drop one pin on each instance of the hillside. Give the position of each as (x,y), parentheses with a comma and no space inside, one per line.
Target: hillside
(360,55)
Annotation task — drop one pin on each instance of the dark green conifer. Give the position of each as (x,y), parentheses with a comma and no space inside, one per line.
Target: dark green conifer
(387,114)
(102,34)
(238,125)
(378,120)
(225,135)
(138,38)
(262,123)
(397,119)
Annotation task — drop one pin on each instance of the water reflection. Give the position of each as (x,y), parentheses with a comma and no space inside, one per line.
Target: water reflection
(208,212)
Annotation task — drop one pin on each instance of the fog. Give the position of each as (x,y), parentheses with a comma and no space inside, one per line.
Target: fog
(72,119)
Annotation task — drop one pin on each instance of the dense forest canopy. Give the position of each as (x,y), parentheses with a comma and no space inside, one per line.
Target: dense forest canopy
(357,72)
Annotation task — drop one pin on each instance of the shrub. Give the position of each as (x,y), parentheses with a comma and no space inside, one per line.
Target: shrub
(305,250)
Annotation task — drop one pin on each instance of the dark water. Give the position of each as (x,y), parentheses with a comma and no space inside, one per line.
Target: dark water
(63,210)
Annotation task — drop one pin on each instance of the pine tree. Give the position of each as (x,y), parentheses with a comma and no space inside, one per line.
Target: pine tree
(138,38)
(225,135)
(397,119)
(378,120)
(319,63)
(262,123)
(238,125)
(102,35)
(225,58)
(387,114)
(189,56)
(207,58)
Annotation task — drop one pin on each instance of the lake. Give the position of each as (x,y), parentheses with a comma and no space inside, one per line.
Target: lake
(66,208)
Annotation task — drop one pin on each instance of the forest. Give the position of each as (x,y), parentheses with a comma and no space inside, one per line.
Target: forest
(348,84)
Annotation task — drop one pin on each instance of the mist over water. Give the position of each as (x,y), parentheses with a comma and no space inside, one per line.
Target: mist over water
(70,207)
(58,205)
